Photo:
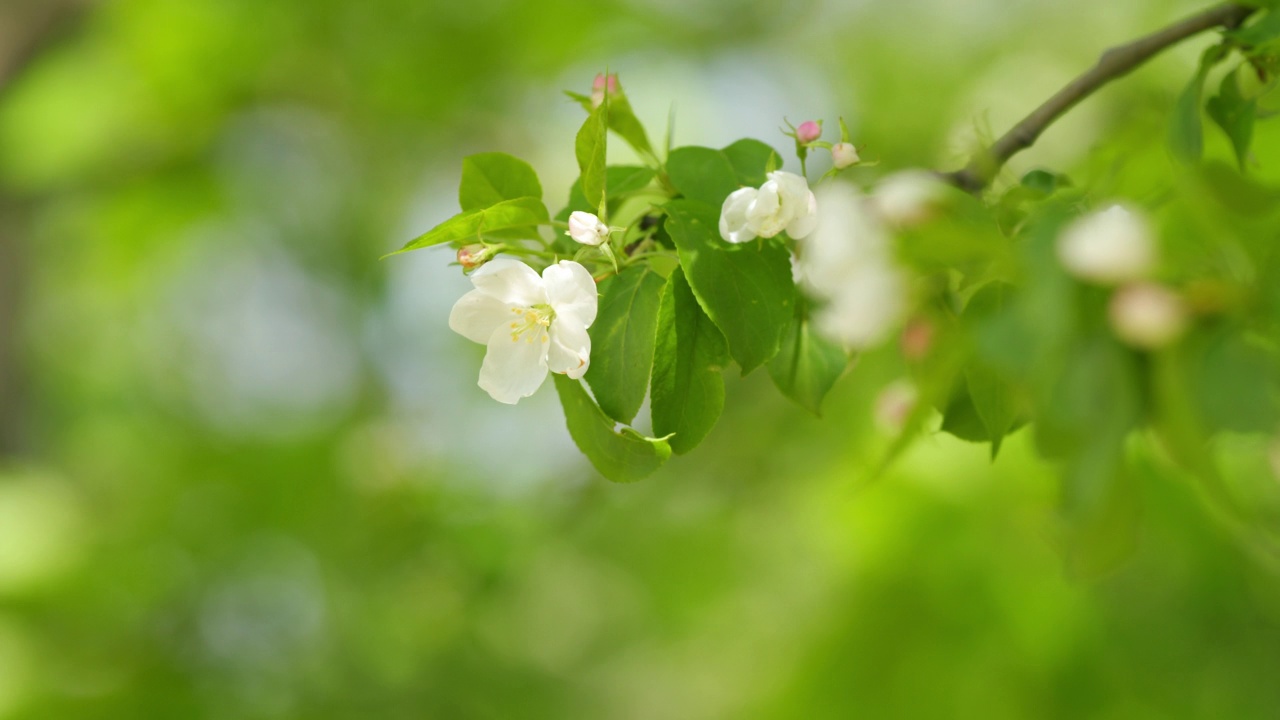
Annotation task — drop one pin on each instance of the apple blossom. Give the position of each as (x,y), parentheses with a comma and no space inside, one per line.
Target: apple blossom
(1147,316)
(530,323)
(586,228)
(784,202)
(848,263)
(808,131)
(1109,246)
(908,197)
(844,155)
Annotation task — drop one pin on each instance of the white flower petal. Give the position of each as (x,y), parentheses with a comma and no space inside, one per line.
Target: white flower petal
(586,228)
(476,314)
(510,281)
(1111,246)
(869,307)
(847,237)
(514,368)
(733,216)
(805,223)
(570,351)
(571,291)
(764,214)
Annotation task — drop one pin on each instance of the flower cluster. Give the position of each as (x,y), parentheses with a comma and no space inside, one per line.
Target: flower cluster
(784,202)
(1115,246)
(530,323)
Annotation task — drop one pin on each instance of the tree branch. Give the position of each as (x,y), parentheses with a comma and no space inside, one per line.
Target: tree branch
(1114,63)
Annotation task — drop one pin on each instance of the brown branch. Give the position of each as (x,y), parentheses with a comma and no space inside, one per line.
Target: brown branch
(1114,63)
(28,29)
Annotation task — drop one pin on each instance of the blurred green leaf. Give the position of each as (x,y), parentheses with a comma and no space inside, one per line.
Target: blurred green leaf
(622,340)
(808,364)
(621,456)
(747,291)
(471,225)
(702,174)
(1263,30)
(1235,115)
(490,178)
(990,390)
(589,148)
(687,396)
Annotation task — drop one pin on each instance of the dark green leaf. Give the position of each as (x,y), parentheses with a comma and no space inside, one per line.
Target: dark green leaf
(622,180)
(990,390)
(472,224)
(621,456)
(808,364)
(622,340)
(746,290)
(1264,30)
(590,151)
(752,160)
(701,173)
(490,178)
(687,396)
(1235,115)
(1186,134)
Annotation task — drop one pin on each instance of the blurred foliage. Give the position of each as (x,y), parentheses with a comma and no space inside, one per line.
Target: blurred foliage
(254,478)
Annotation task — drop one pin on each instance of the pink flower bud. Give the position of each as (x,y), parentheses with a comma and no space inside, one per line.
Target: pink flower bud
(843,155)
(808,132)
(1147,316)
(598,87)
(917,339)
(471,257)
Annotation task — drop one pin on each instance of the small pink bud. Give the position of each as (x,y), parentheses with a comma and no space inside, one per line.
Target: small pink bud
(1147,316)
(471,257)
(598,87)
(808,132)
(843,155)
(917,339)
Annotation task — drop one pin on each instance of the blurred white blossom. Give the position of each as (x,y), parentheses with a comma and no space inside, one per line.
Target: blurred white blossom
(1110,246)
(1147,316)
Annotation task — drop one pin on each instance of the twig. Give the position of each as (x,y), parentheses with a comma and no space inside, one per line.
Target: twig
(1114,63)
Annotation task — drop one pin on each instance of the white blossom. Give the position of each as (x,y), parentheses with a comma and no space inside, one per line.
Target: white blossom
(908,197)
(844,155)
(1147,316)
(530,323)
(783,202)
(586,228)
(1109,246)
(848,264)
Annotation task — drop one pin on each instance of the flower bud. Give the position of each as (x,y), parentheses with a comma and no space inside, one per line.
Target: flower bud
(1109,247)
(808,132)
(1147,316)
(473,256)
(587,229)
(844,155)
(917,339)
(598,87)
(894,406)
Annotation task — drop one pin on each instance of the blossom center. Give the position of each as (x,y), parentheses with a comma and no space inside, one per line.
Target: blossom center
(531,323)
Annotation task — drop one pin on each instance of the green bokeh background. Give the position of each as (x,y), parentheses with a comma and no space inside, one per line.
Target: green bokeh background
(247,473)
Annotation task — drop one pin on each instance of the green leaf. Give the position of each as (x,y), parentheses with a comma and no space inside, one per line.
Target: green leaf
(622,180)
(1186,134)
(1236,382)
(1235,115)
(752,160)
(623,121)
(960,418)
(490,178)
(589,148)
(472,224)
(746,290)
(621,456)
(687,396)
(1264,30)
(808,364)
(702,173)
(990,390)
(622,340)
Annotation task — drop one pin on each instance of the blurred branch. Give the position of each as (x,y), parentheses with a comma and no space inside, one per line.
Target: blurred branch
(27,30)
(1114,63)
